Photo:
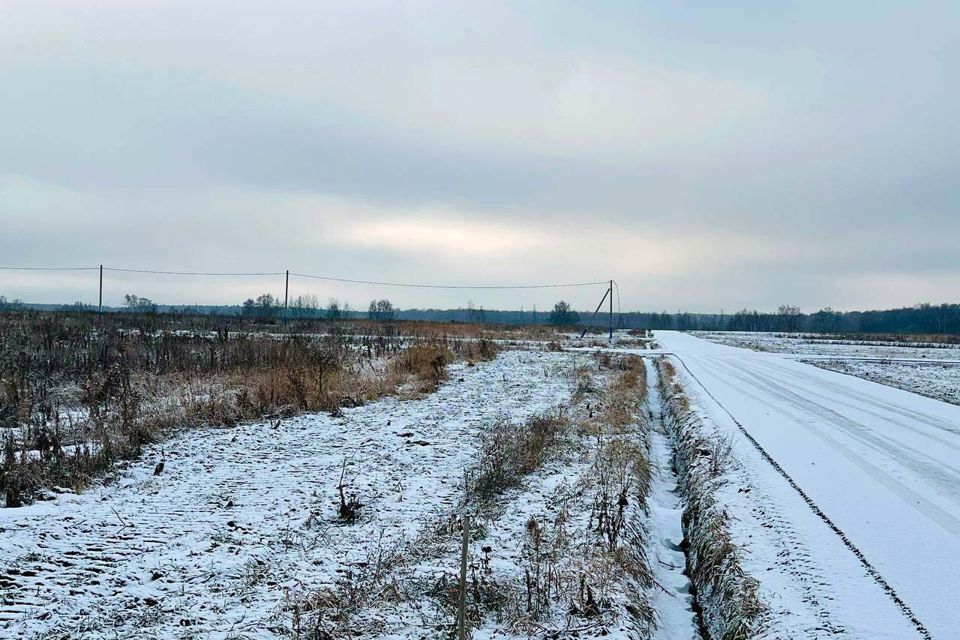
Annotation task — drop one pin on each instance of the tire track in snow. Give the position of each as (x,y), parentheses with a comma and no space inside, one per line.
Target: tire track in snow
(864,404)
(949,481)
(847,542)
(872,400)
(899,453)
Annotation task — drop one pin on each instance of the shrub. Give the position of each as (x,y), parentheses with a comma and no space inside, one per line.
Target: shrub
(509,452)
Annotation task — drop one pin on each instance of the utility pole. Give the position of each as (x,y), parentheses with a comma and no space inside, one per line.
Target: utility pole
(100,306)
(608,292)
(611,311)
(286,294)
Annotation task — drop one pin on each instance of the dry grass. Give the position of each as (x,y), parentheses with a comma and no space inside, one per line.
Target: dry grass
(592,549)
(729,601)
(332,612)
(425,363)
(580,559)
(623,402)
(620,481)
(931,340)
(78,395)
(508,453)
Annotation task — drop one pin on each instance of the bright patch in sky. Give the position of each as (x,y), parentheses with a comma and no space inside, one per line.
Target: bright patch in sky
(704,156)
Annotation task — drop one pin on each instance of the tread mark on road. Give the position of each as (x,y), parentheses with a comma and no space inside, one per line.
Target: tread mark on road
(870,569)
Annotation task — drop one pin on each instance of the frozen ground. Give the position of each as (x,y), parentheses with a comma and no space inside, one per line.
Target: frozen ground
(882,464)
(242,521)
(930,369)
(558,499)
(833,347)
(939,380)
(239,517)
(674,601)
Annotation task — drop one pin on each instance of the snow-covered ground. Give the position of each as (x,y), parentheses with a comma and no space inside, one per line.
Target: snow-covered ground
(240,517)
(930,369)
(881,464)
(674,600)
(833,347)
(242,523)
(544,533)
(938,380)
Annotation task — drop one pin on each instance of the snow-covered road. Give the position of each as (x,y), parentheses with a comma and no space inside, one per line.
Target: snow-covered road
(883,465)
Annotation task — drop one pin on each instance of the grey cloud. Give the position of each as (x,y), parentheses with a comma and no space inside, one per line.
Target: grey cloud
(129,123)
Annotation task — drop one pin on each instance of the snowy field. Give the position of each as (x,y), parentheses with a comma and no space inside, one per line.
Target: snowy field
(832,346)
(239,535)
(939,380)
(842,495)
(930,369)
(240,517)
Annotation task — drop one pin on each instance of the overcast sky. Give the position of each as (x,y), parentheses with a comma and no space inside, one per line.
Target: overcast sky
(706,155)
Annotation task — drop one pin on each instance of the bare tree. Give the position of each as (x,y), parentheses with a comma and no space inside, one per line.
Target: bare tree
(381,310)
(789,318)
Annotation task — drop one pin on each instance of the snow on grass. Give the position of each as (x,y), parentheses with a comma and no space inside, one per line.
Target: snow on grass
(940,381)
(833,346)
(560,544)
(240,520)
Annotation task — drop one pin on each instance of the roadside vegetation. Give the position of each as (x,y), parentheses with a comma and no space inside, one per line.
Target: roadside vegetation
(584,563)
(558,540)
(728,598)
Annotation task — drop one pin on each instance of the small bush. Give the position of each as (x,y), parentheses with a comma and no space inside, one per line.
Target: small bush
(426,363)
(510,452)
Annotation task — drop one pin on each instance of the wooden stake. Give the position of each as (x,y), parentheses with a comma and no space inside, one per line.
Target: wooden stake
(462,606)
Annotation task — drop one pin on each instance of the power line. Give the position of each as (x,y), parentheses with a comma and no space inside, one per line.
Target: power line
(619,310)
(193,273)
(411,285)
(49,268)
(448,286)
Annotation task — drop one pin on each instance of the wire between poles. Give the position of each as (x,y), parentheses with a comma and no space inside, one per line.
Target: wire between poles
(49,268)
(447,286)
(193,273)
(411,285)
(619,310)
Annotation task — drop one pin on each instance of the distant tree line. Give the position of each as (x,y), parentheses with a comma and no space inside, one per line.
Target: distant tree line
(922,318)
(304,307)
(10,305)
